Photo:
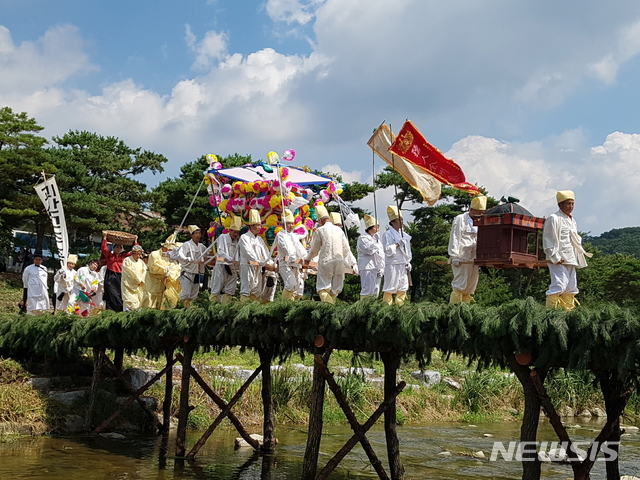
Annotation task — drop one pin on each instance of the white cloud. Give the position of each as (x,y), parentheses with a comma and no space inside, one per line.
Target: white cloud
(347,177)
(50,60)
(213,47)
(292,11)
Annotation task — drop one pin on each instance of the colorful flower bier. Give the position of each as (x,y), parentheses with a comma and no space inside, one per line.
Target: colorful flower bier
(268,187)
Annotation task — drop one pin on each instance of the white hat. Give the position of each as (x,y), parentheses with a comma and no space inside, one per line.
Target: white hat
(288,216)
(369,222)
(137,248)
(321,212)
(254,218)
(563,195)
(73,258)
(236,223)
(336,218)
(393,213)
(192,229)
(479,203)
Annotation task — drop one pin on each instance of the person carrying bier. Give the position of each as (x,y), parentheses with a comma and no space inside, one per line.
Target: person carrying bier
(134,271)
(113,274)
(397,263)
(370,259)
(563,246)
(255,260)
(463,240)
(291,253)
(225,270)
(36,292)
(158,271)
(191,257)
(64,283)
(330,244)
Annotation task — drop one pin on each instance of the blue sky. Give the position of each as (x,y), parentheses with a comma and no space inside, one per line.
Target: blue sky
(528,97)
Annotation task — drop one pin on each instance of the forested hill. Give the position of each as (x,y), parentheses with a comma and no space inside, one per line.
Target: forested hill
(619,240)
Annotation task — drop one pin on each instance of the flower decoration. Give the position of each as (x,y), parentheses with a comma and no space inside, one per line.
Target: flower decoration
(289,155)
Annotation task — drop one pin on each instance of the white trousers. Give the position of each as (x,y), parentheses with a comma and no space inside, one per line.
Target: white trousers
(190,289)
(369,283)
(251,280)
(290,277)
(465,278)
(222,282)
(396,278)
(330,277)
(563,279)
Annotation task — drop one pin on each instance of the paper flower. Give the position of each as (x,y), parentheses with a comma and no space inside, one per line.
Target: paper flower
(289,155)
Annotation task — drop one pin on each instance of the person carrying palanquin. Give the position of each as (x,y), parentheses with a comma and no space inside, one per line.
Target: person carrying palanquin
(158,270)
(134,272)
(563,246)
(256,266)
(370,259)
(191,257)
(113,274)
(463,240)
(397,263)
(63,284)
(291,254)
(334,255)
(225,270)
(36,292)
(86,286)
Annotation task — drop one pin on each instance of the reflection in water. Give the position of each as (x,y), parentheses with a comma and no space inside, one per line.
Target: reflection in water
(151,457)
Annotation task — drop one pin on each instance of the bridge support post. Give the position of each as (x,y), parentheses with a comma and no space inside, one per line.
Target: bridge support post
(314,435)
(391,362)
(183,414)
(168,393)
(269,442)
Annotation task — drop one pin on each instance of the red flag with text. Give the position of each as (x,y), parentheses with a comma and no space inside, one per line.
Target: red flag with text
(411,145)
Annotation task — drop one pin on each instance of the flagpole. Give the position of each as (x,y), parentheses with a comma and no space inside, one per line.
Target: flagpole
(395,186)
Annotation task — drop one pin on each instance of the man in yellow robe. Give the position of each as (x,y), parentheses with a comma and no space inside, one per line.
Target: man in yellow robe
(158,270)
(134,271)
(172,282)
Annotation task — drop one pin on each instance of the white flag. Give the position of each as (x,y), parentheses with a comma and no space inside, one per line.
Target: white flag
(429,187)
(50,196)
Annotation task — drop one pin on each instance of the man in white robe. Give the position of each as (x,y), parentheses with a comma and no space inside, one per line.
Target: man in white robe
(225,270)
(397,263)
(563,247)
(257,270)
(370,259)
(463,240)
(191,257)
(291,254)
(334,256)
(63,286)
(34,281)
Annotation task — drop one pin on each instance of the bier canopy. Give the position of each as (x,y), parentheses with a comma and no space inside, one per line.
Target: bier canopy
(255,172)
(268,188)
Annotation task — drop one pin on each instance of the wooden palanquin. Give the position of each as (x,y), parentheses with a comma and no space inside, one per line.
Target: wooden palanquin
(507,237)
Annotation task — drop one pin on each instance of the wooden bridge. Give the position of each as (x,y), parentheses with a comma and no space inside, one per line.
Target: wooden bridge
(521,335)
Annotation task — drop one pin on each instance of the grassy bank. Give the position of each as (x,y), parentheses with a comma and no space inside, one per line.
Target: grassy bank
(488,395)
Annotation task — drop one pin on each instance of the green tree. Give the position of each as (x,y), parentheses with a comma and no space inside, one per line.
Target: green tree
(173,196)
(22,160)
(96,177)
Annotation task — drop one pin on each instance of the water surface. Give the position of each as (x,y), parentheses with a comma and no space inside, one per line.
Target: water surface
(138,457)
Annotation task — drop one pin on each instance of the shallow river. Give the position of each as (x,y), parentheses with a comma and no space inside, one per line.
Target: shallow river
(140,457)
